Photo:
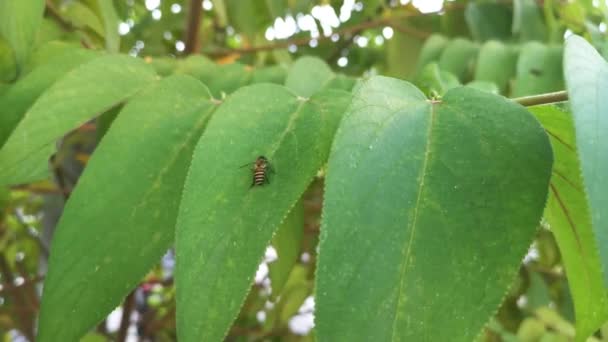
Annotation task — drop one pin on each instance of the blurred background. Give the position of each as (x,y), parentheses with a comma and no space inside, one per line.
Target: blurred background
(508,47)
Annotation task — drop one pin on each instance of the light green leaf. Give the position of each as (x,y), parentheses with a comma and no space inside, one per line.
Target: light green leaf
(496,63)
(458,58)
(539,69)
(433,81)
(221,79)
(47,52)
(307,75)
(428,210)
(298,288)
(567,213)
(19,22)
(399,64)
(528,21)
(130,224)
(248,17)
(272,74)
(487,86)
(431,50)
(16,101)
(286,242)
(81,16)
(110,23)
(587,79)
(80,95)
(224,225)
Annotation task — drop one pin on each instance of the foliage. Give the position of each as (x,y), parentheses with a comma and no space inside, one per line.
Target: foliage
(399,208)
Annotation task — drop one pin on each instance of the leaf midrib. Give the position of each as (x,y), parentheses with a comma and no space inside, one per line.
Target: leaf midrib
(408,245)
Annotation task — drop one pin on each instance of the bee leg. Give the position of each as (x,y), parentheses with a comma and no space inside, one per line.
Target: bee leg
(267,180)
(252,184)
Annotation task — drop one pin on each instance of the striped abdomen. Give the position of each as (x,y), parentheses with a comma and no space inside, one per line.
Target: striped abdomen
(259,176)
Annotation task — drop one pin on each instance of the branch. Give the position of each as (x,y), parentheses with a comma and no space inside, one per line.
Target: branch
(541,99)
(125,321)
(350,30)
(193,24)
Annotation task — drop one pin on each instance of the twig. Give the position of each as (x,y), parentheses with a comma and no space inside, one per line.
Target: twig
(127,309)
(193,24)
(10,287)
(548,98)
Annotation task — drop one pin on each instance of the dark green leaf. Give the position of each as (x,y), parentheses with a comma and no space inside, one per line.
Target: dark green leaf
(224,225)
(429,208)
(489,20)
(587,78)
(129,222)
(8,63)
(80,95)
(307,75)
(19,22)
(567,213)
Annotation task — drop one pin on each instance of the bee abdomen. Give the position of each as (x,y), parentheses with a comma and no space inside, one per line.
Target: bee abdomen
(259,177)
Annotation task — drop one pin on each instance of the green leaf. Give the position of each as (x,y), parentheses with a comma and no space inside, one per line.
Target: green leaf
(399,64)
(8,64)
(19,22)
(488,21)
(307,75)
(539,69)
(567,213)
(458,58)
(286,242)
(429,208)
(431,50)
(432,81)
(80,95)
(248,17)
(110,23)
(47,53)
(297,289)
(528,21)
(81,16)
(224,225)
(129,222)
(587,79)
(221,79)
(486,86)
(496,63)
(16,101)
(272,74)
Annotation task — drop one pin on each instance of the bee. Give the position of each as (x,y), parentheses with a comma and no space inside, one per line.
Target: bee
(261,169)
